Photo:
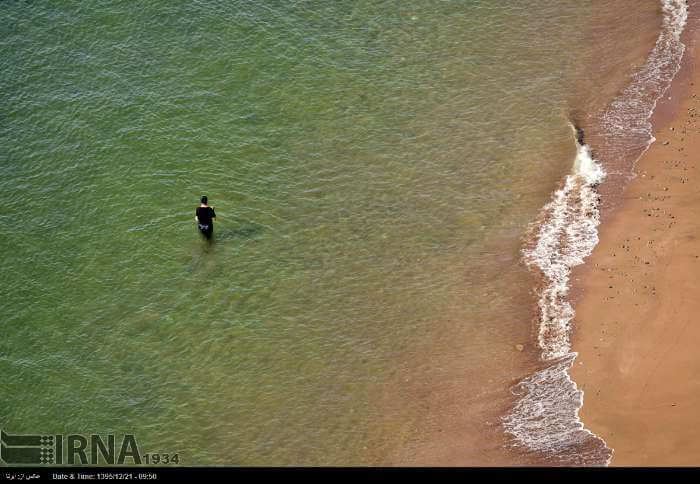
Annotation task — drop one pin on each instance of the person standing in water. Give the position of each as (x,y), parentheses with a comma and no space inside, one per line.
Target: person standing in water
(205,217)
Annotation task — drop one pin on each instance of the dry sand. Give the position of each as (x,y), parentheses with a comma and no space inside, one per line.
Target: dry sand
(637,325)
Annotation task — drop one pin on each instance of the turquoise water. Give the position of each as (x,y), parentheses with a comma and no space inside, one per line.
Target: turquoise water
(373,166)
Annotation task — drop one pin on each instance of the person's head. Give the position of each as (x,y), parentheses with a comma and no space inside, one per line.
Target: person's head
(203,199)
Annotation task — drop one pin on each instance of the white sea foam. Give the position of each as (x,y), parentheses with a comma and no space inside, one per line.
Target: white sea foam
(626,121)
(546,417)
(567,235)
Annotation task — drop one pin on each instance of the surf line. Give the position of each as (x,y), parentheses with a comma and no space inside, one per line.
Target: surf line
(546,417)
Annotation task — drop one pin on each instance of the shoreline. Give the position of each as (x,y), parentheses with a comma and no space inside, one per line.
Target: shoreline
(547,417)
(636,296)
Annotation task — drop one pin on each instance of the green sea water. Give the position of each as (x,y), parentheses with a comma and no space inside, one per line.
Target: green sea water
(373,166)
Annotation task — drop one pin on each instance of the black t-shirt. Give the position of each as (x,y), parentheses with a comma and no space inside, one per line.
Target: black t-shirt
(205,214)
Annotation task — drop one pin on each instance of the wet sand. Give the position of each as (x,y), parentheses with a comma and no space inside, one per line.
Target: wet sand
(637,325)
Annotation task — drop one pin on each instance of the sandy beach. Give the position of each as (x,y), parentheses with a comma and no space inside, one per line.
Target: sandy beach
(638,298)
